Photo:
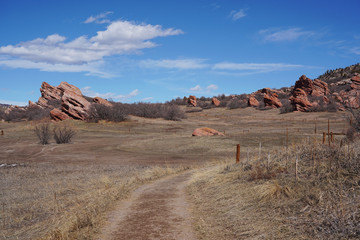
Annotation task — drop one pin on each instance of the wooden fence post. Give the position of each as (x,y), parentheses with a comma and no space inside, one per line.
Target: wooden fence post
(238,153)
(329,131)
(332,137)
(315,128)
(324,137)
(2,132)
(296,168)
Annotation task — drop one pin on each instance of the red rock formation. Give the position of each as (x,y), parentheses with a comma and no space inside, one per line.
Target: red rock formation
(253,102)
(33,105)
(206,132)
(314,88)
(58,115)
(75,105)
(192,101)
(320,88)
(271,98)
(300,101)
(102,101)
(215,102)
(64,86)
(355,82)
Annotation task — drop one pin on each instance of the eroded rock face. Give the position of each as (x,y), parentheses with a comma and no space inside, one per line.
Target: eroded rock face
(253,102)
(192,101)
(215,102)
(58,115)
(206,132)
(305,87)
(102,101)
(75,105)
(271,98)
(300,101)
(64,86)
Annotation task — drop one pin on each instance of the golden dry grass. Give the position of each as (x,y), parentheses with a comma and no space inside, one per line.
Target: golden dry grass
(64,191)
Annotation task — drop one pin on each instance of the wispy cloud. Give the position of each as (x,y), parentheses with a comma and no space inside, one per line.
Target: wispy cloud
(120,37)
(237,14)
(241,69)
(91,68)
(355,50)
(147,99)
(175,64)
(100,19)
(109,95)
(291,34)
(209,89)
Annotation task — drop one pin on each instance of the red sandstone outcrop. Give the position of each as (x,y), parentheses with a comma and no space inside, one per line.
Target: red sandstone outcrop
(58,115)
(215,102)
(253,102)
(314,88)
(100,100)
(355,82)
(206,132)
(300,101)
(192,101)
(75,105)
(271,98)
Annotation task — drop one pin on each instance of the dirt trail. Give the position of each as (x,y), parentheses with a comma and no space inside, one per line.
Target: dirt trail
(154,211)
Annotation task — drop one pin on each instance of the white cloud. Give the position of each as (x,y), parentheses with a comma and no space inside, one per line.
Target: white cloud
(120,37)
(147,99)
(91,68)
(261,67)
(212,87)
(209,89)
(101,18)
(197,88)
(236,15)
(175,64)
(109,95)
(291,34)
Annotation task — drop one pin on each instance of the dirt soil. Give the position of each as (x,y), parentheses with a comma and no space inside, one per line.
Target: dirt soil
(154,211)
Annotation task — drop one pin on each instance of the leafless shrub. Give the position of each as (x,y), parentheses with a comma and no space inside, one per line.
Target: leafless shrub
(115,113)
(43,132)
(37,113)
(236,103)
(173,112)
(286,106)
(63,134)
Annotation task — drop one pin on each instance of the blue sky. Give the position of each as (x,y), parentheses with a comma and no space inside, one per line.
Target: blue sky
(155,51)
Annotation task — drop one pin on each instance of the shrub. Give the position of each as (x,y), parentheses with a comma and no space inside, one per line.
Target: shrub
(43,132)
(173,112)
(236,103)
(286,106)
(116,113)
(63,134)
(37,113)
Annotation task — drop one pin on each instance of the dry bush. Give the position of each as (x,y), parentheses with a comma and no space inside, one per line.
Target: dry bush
(236,103)
(115,113)
(63,134)
(173,112)
(43,132)
(286,106)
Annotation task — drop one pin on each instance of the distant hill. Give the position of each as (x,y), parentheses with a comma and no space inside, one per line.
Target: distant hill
(339,74)
(4,105)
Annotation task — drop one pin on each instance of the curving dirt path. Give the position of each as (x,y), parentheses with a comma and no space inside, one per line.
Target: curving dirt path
(154,211)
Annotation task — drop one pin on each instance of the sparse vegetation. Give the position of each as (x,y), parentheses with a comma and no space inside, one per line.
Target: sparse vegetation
(43,132)
(63,134)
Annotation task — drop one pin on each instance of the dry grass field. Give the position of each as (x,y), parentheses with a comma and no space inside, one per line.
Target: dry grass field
(63,191)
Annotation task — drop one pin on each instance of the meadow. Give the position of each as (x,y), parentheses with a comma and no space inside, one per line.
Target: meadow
(64,191)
